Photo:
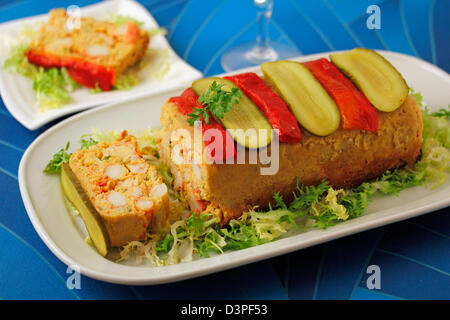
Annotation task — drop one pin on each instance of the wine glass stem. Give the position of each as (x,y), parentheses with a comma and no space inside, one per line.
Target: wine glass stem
(263,14)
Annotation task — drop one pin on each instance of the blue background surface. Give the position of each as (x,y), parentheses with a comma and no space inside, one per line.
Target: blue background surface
(414,255)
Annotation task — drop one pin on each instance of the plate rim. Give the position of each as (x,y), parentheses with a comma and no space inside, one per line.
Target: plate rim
(333,233)
(37,122)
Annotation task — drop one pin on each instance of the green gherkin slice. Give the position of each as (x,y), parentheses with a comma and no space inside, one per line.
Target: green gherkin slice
(376,77)
(92,220)
(308,100)
(245,122)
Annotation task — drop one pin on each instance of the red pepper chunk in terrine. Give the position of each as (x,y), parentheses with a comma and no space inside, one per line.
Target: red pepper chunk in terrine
(273,107)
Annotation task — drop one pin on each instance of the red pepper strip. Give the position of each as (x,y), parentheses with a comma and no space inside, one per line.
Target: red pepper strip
(186,103)
(356,111)
(132,32)
(273,107)
(84,72)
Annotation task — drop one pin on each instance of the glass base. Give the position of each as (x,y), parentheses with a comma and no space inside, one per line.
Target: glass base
(249,55)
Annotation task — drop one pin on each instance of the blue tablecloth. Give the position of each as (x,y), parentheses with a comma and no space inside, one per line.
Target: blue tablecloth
(413,255)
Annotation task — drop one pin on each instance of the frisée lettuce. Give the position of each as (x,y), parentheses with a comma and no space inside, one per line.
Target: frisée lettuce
(52,86)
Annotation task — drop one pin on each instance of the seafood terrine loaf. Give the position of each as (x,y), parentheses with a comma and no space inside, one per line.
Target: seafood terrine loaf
(344,158)
(124,189)
(94,52)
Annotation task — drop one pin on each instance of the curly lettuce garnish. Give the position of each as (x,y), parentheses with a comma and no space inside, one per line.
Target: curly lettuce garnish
(120,20)
(434,164)
(126,81)
(145,137)
(18,63)
(52,86)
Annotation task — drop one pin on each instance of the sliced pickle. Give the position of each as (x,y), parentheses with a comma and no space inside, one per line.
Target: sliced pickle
(380,82)
(245,122)
(308,100)
(92,220)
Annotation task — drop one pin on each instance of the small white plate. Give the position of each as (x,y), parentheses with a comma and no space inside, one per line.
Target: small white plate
(65,234)
(17,91)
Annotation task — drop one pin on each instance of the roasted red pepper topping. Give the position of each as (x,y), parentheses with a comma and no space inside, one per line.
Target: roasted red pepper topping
(356,111)
(186,103)
(85,73)
(273,107)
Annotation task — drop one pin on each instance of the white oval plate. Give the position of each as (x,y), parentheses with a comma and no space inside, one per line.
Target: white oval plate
(65,234)
(17,91)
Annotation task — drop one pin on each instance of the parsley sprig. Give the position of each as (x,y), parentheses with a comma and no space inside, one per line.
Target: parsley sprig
(62,156)
(216,102)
